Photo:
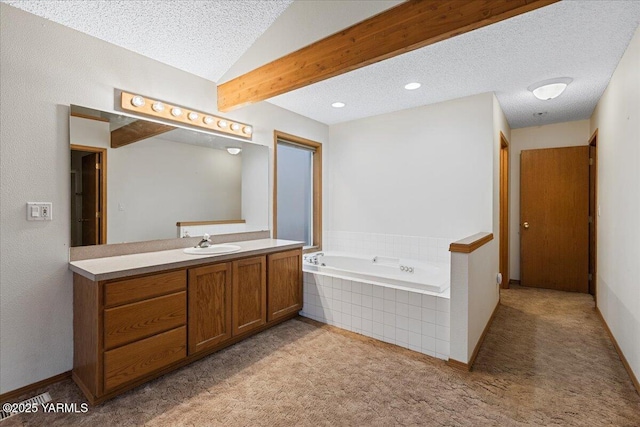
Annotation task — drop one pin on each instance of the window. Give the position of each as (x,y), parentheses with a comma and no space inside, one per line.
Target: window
(297,196)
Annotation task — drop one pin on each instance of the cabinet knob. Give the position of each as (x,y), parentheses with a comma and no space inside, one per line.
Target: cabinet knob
(525,225)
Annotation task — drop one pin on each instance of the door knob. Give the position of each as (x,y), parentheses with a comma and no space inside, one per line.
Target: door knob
(525,225)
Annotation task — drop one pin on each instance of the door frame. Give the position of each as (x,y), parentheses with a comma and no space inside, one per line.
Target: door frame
(102,200)
(593,169)
(504,211)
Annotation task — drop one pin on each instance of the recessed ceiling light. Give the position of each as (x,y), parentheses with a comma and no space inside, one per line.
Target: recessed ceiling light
(549,89)
(412,86)
(234,150)
(338,104)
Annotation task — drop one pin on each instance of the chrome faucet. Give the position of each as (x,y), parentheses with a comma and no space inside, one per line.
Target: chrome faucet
(204,243)
(313,259)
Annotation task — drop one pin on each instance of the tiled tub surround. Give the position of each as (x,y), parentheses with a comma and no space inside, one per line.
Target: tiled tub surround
(429,249)
(418,320)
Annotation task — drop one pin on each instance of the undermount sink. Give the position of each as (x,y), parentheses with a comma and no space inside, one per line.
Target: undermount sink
(213,250)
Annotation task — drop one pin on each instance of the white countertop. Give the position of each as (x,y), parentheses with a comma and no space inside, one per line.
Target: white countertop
(117,267)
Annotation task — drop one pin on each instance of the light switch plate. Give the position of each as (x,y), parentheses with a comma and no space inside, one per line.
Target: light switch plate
(39,211)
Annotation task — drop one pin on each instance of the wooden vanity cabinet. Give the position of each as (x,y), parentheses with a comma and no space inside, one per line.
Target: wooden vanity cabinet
(128,331)
(209,306)
(249,294)
(226,300)
(285,284)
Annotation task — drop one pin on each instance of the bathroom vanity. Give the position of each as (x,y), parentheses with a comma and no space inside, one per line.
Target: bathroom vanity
(139,316)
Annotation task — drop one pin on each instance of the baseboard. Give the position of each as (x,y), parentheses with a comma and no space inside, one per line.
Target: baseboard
(456,364)
(514,282)
(484,334)
(626,365)
(468,366)
(11,395)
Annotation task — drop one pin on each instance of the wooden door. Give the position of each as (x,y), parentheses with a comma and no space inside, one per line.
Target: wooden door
(249,294)
(554,218)
(90,199)
(209,306)
(284,284)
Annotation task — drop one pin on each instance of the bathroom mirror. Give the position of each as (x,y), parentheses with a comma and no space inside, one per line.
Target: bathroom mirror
(135,180)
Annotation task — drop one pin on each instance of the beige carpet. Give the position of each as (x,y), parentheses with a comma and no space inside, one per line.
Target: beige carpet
(546,361)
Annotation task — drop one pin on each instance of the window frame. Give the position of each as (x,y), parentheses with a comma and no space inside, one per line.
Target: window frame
(316,147)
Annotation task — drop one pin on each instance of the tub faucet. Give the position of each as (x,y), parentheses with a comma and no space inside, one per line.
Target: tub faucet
(313,259)
(204,243)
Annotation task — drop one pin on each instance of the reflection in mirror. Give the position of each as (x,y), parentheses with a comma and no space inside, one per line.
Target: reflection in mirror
(137,180)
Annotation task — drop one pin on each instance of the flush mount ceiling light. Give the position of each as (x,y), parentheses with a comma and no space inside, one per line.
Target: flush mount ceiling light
(338,104)
(234,150)
(549,89)
(412,86)
(174,113)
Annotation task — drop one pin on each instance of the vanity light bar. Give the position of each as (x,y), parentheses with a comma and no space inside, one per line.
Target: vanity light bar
(173,113)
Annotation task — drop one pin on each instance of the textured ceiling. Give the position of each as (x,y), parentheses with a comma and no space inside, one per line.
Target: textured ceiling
(302,23)
(583,40)
(202,37)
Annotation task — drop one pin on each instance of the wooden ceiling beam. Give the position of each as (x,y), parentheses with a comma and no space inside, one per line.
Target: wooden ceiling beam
(406,27)
(137,131)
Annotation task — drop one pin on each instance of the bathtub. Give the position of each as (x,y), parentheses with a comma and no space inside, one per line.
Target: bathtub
(405,274)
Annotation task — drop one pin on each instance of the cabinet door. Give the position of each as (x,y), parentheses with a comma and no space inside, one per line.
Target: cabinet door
(284,284)
(249,294)
(209,306)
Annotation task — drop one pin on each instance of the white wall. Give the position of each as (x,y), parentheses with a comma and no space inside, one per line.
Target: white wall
(474,296)
(146,183)
(45,68)
(474,290)
(431,171)
(617,118)
(426,171)
(566,134)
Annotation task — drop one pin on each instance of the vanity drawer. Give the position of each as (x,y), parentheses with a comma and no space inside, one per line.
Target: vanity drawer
(132,361)
(131,322)
(131,290)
